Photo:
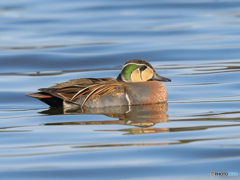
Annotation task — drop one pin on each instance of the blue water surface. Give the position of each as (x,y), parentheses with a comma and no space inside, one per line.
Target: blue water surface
(194,43)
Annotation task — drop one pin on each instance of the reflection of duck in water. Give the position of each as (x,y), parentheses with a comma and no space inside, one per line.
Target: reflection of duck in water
(138,83)
(142,116)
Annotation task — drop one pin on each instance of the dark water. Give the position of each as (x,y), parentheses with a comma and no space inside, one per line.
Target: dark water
(195,43)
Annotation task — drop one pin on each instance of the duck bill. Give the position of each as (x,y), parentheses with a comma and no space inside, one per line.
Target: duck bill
(157,77)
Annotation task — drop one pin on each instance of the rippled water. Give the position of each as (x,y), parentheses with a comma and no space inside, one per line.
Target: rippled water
(195,43)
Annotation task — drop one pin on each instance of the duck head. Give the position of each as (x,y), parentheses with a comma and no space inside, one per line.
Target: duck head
(138,70)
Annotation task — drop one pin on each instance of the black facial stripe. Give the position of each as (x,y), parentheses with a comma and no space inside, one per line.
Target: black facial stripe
(143,68)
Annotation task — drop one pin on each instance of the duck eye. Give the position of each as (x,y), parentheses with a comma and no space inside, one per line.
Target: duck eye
(143,68)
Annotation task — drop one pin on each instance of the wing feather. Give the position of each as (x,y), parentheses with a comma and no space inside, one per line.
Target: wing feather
(72,92)
(80,91)
(90,94)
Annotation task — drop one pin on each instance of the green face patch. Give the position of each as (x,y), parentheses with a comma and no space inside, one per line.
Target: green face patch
(126,72)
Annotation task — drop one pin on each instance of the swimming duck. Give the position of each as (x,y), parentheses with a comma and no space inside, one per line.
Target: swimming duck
(137,84)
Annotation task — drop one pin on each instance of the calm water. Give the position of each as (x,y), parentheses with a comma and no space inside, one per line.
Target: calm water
(195,43)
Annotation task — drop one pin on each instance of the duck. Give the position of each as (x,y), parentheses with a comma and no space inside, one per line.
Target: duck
(137,84)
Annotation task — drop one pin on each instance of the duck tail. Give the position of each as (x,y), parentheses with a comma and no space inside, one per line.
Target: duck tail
(47,98)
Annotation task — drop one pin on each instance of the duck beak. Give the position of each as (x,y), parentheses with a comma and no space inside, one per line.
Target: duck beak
(157,77)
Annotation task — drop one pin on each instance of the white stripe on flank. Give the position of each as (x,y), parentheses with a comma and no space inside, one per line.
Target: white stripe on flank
(129,102)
